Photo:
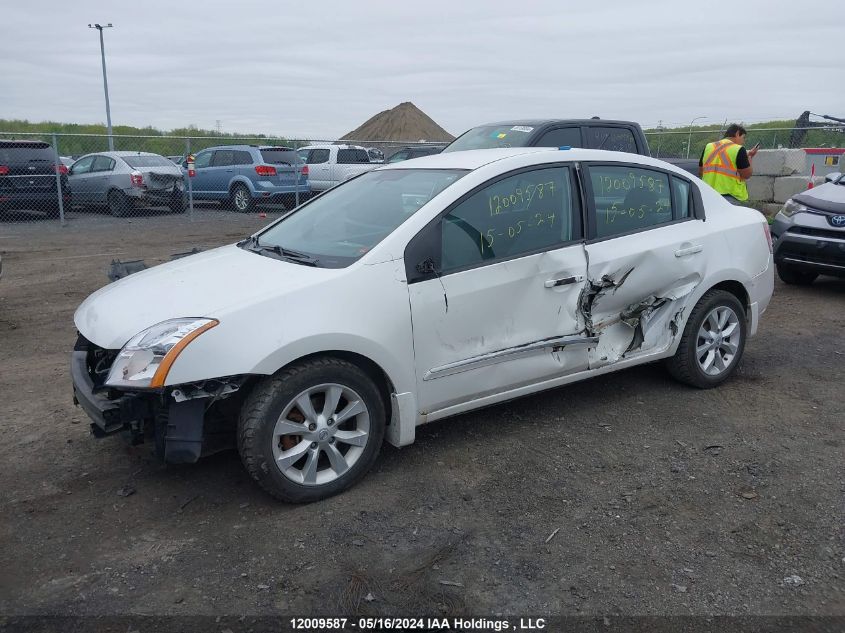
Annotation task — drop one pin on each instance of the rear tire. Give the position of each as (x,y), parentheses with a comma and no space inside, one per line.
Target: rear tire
(712,343)
(178,204)
(795,277)
(118,203)
(311,430)
(241,200)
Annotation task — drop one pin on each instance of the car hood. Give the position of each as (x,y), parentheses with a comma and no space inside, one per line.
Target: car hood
(827,197)
(209,284)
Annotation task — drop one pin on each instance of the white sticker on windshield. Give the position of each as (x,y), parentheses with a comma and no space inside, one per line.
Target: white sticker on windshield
(521,128)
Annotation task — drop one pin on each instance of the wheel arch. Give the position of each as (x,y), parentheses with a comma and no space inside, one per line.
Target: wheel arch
(729,284)
(737,289)
(240,180)
(373,370)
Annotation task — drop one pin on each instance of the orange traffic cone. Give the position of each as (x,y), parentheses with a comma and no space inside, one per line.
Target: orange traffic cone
(812,176)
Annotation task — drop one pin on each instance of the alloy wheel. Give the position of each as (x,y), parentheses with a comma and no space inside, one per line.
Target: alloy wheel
(321,434)
(718,341)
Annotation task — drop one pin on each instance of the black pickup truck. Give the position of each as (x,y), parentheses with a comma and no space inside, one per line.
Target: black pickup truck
(595,133)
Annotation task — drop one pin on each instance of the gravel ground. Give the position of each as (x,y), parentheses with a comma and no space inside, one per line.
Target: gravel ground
(628,494)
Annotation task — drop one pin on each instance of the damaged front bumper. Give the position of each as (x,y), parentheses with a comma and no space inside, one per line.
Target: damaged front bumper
(183,423)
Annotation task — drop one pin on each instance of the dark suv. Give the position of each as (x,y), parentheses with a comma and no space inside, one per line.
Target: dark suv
(28,177)
(407,153)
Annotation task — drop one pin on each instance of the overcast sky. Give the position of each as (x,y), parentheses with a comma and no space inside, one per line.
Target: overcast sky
(319,68)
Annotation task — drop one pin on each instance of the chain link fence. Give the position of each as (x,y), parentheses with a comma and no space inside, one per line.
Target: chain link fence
(76,178)
(679,143)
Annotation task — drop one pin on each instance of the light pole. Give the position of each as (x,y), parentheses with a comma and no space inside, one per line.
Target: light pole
(689,140)
(100,28)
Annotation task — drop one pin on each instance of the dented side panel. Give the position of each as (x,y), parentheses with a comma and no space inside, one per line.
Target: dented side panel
(488,322)
(639,286)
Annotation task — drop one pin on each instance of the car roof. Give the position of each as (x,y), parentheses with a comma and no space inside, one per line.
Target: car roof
(244,146)
(124,154)
(328,145)
(539,122)
(477,158)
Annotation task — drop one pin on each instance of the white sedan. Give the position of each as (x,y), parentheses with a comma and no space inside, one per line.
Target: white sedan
(416,292)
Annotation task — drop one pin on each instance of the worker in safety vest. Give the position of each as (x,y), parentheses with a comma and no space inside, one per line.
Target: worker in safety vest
(725,165)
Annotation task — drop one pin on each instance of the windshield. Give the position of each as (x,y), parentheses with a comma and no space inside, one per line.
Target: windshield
(492,136)
(343,224)
(138,162)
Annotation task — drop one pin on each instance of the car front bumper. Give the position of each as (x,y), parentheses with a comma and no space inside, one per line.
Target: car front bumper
(107,415)
(177,427)
(808,242)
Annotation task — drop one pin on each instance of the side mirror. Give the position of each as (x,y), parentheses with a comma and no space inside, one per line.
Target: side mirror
(832,176)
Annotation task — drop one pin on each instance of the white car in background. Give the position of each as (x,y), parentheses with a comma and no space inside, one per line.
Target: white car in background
(330,165)
(416,292)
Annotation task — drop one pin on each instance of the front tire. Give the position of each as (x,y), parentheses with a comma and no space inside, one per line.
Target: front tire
(712,343)
(795,277)
(312,430)
(241,199)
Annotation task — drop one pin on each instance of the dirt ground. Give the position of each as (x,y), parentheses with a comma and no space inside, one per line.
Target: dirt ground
(627,494)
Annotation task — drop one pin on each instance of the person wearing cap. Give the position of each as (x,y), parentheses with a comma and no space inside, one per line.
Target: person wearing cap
(725,165)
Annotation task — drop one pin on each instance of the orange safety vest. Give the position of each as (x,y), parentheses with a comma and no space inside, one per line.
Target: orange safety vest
(719,169)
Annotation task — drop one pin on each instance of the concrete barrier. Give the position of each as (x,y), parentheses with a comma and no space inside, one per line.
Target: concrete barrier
(788,186)
(761,188)
(779,162)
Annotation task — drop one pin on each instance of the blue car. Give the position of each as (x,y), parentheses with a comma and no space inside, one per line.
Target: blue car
(244,175)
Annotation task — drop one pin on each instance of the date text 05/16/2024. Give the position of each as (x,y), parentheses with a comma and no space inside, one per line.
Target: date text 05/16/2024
(421,624)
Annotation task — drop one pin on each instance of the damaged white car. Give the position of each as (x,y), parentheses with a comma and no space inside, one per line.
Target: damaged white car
(419,291)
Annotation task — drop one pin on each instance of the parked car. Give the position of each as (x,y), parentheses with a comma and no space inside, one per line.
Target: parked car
(176,159)
(407,153)
(122,181)
(330,165)
(28,177)
(420,291)
(244,175)
(809,233)
(67,161)
(595,133)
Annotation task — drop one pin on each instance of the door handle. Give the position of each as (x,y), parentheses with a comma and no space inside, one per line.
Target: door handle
(692,250)
(563,281)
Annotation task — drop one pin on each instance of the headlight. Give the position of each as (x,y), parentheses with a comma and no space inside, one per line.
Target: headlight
(791,208)
(145,360)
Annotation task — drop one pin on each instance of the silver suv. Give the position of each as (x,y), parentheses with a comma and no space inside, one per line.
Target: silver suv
(809,233)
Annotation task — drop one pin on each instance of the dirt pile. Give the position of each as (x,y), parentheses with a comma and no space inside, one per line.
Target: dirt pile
(406,122)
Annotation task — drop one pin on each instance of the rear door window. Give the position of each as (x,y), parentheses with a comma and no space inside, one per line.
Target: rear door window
(317,156)
(614,139)
(242,158)
(352,156)
(561,137)
(628,199)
